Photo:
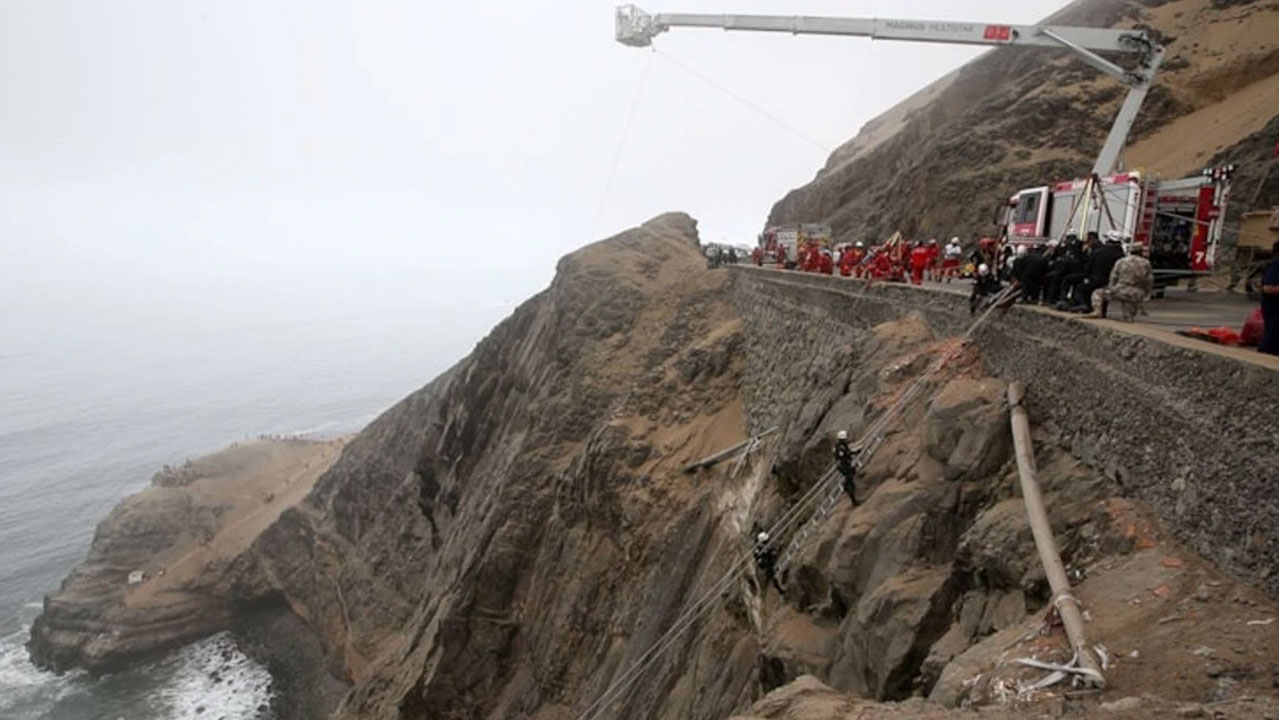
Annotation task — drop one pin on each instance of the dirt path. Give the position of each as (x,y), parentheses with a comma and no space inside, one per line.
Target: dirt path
(255,482)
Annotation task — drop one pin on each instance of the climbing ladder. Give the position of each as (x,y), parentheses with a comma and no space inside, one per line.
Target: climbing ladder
(829,499)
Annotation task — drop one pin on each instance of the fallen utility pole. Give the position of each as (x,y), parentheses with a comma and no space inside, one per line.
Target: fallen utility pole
(1066,604)
(710,460)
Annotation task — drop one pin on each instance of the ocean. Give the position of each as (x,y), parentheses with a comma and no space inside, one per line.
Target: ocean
(88,413)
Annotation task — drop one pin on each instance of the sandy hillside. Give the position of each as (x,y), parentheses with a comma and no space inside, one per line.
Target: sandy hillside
(940,162)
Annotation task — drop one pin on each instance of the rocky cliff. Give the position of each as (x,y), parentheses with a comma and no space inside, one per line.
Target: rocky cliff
(516,537)
(941,162)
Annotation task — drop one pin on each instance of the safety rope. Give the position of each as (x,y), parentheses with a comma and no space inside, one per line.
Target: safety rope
(621,144)
(744,101)
(686,619)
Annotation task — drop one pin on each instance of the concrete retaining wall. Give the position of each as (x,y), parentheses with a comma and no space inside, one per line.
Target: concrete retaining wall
(1195,434)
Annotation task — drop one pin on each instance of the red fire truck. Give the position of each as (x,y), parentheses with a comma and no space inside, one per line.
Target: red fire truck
(1179,221)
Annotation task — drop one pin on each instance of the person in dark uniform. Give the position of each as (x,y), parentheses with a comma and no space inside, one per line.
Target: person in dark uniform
(766,559)
(1270,305)
(845,461)
(985,286)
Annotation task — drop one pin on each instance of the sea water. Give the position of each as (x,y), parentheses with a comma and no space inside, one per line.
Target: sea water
(88,413)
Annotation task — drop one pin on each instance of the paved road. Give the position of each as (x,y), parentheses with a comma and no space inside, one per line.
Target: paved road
(1179,309)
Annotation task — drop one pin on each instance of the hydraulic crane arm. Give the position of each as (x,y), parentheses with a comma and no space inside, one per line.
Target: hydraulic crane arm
(638,28)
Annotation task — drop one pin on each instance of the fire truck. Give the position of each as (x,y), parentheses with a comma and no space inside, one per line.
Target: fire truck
(1179,221)
(792,237)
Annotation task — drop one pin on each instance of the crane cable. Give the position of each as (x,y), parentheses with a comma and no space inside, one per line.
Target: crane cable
(746,102)
(626,681)
(621,144)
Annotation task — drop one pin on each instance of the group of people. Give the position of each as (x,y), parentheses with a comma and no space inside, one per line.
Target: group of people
(897,260)
(1074,276)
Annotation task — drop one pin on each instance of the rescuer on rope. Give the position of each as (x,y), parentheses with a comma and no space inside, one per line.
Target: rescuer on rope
(766,559)
(845,457)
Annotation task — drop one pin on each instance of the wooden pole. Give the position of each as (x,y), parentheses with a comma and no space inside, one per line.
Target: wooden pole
(1066,604)
(726,452)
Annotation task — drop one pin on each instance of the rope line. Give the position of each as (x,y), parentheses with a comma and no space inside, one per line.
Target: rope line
(746,102)
(621,144)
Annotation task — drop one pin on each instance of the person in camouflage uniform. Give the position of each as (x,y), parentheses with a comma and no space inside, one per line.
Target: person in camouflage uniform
(1131,281)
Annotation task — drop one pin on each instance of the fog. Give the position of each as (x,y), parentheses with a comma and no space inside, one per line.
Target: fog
(212,163)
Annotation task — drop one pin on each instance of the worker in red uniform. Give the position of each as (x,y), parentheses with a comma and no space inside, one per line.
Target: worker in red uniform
(757,257)
(781,256)
(881,263)
(847,261)
(934,259)
(826,263)
(859,258)
(918,263)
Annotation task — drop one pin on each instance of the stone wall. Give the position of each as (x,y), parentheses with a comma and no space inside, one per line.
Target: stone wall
(1194,434)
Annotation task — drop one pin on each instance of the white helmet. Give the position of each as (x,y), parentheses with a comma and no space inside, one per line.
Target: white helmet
(842,434)
(983,269)
(1021,251)
(762,537)
(955,240)
(1114,236)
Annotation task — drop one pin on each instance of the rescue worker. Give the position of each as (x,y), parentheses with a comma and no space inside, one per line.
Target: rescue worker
(985,286)
(950,259)
(1270,305)
(934,255)
(766,559)
(1029,269)
(781,256)
(1131,281)
(918,263)
(1072,285)
(825,263)
(1098,268)
(757,257)
(859,258)
(845,458)
(847,261)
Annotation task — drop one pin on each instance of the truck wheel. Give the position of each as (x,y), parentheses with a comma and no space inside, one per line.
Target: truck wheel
(1252,286)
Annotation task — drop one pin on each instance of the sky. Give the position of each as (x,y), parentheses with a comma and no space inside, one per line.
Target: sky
(207,159)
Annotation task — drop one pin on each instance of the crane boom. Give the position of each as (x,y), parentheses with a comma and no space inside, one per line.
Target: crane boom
(637,28)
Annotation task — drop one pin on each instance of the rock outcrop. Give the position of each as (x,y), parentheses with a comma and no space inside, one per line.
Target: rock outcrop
(177,539)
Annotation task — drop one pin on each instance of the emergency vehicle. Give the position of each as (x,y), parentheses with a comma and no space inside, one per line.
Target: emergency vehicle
(1179,221)
(792,237)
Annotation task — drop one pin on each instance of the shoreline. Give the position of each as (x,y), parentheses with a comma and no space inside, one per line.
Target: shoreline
(168,566)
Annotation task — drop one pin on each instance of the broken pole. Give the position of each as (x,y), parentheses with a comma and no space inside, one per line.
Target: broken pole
(710,460)
(1066,604)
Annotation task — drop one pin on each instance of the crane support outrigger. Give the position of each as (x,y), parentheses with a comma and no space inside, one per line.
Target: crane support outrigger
(637,28)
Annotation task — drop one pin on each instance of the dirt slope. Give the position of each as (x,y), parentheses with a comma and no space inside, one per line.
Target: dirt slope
(939,163)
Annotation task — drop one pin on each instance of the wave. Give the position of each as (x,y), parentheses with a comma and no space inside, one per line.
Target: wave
(24,688)
(214,679)
(209,679)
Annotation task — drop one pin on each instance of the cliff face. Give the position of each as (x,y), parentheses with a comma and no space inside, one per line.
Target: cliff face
(499,542)
(941,162)
(509,541)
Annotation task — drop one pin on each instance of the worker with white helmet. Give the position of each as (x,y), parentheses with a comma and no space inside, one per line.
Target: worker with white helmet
(951,256)
(766,559)
(986,285)
(845,460)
